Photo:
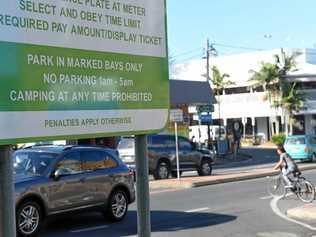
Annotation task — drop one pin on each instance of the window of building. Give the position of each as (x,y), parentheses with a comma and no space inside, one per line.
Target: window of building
(306,85)
(237,90)
(218,92)
(312,140)
(299,125)
(258,89)
(314,123)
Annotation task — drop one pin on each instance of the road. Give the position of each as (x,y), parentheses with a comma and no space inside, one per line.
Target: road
(239,209)
(260,158)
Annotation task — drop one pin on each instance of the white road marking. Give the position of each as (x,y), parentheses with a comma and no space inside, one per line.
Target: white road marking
(90,229)
(276,210)
(197,210)
(266,197)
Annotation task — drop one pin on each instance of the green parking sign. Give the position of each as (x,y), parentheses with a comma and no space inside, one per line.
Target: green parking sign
(82,68)
(205,108)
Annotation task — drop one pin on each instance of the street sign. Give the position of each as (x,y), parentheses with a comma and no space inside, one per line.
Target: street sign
(176,115)
(205,108)
(205,118)
(80,69)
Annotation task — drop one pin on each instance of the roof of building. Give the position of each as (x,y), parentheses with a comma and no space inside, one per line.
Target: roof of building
(305,73)
(190,92)
(240,66)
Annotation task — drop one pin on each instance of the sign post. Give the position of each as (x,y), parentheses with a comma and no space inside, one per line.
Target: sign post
(176,115)
(80,69)
(7,214)
(142,187)
(244,122)
(177,149)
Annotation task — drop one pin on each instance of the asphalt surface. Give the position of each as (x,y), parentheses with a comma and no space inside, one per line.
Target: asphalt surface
(259,158)
(232,209)
(238,209)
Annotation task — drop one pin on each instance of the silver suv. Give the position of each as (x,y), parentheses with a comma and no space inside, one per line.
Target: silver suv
(53,180)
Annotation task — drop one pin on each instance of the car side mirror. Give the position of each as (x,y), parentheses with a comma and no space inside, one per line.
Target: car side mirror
(56,174)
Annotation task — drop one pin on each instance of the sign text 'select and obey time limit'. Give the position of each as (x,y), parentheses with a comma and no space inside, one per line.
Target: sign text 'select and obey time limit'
(80,68)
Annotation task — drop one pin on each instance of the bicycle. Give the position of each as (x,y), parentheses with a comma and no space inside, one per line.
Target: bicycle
(303,188)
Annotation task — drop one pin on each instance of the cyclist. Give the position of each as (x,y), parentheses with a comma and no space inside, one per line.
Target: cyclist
(287,165)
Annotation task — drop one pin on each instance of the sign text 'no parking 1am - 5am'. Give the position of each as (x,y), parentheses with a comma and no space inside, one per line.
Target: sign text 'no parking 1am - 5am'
(82,68)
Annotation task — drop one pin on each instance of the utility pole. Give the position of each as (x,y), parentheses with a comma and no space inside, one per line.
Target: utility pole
(208,79)
(209,51)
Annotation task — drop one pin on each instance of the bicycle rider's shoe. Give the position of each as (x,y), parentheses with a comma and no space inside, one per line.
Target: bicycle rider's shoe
(289,186)
(293,189)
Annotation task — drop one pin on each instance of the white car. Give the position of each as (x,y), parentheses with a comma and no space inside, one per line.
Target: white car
(126,149)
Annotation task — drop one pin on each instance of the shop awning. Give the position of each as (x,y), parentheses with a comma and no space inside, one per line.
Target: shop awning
(190,92)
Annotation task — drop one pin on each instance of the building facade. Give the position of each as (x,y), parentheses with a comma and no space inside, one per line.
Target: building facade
(249,106)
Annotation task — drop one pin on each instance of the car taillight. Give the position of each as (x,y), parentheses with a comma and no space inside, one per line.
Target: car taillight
(306,149)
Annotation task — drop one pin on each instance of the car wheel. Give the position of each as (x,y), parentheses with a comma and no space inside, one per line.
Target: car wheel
(313,157)
(117,205)
(162,171)
(205,168)
(174,174)
(28,219)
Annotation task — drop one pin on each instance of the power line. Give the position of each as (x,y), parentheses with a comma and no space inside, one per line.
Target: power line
(189,58)
(236,47)
(186,53)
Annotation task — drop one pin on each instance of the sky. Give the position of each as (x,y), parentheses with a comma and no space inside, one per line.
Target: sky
(237,26)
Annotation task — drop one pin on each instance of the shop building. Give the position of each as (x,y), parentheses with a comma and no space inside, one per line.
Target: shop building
(249,106)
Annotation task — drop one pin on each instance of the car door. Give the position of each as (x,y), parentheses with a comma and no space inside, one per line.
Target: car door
(187,155)
(99,178)
(68,190)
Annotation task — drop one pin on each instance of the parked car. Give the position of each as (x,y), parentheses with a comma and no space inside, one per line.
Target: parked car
(42,143)
(162,156)
(126,149)
(52,180)
(301,147)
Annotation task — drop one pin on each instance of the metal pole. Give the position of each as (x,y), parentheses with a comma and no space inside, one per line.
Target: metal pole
(177,149)
(208,78)
(7,207)
(142,187)
(253,123)
(199,132)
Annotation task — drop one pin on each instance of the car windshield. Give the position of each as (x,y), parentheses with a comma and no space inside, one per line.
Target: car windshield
(126,143)
(32,163)
(296,141)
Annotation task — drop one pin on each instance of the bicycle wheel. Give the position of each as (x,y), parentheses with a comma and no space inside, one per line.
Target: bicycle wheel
(276,186)
(305,191)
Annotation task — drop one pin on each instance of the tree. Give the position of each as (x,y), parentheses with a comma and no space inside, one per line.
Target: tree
(282,93)
(219,82)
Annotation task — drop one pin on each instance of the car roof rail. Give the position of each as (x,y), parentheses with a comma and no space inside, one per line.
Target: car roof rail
(69,147)
(27,147)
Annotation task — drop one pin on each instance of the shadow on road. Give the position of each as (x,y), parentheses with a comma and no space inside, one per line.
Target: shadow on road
(162,221)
